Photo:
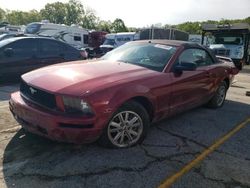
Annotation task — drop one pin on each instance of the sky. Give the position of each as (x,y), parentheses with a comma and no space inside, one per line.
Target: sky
(142,13)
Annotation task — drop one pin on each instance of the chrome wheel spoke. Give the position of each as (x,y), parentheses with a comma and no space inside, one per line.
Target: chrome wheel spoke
(133,120)
(118,135)
(122,138)
(115,130)
(132,132)
(129,136)
(114,124)
(134,125)
(121,118)
(126,116)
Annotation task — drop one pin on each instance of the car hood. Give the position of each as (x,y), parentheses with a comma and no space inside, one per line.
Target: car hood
(79,77)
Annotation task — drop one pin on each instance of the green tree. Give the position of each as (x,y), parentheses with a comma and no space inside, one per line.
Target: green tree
(103,25)
(22,18)
(89,19)
(2,14)
(190,27)
(74,12)
(55,12)
(118,26)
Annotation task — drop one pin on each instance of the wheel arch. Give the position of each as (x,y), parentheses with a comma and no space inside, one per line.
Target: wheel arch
(146,103)
(227,82)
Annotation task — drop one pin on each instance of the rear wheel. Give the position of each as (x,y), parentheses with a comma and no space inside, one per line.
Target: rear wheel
(248,60)
(218,99)
(127,127)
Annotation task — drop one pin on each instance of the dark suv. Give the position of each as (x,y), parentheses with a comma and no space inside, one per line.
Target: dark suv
(22,54)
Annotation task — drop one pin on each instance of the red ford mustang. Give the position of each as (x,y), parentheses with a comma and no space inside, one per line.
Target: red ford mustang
(114,99)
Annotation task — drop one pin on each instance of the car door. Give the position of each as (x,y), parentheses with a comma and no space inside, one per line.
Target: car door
(50,52)
(189,88)
(208,65)
(18,57)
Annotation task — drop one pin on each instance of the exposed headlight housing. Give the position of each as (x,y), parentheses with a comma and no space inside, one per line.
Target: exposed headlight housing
(239,52)
(76,106)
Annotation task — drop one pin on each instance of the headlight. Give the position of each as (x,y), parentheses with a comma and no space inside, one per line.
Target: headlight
(239,52)
(76,106)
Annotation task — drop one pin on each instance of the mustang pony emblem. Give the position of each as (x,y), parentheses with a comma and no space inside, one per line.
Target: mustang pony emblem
(32,90)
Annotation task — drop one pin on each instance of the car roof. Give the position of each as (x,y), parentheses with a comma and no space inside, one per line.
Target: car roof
(28,37)
(13,39)
(176,43)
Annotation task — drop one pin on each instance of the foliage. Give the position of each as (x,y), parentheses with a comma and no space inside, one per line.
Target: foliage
(118,26)
(2,14)
(89,19)
(74,12)
(190,27)
(55,12)
(104,26)
(22,18)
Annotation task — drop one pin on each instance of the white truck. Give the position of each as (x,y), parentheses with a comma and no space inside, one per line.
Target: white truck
(229,40)
(74,35)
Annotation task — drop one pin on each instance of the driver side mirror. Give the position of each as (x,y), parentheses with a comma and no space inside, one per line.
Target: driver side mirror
(185,66)
(8,52)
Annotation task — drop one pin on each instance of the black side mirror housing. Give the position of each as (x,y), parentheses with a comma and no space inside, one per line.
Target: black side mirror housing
(8,52)
(185,66)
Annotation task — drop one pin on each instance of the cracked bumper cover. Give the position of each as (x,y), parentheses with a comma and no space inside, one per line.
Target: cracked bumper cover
(49,125)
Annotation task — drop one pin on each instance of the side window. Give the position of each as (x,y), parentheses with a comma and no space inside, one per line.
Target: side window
(194,55)
(77,38)
(50,48)
(202,58)
(22,49)
(86,39)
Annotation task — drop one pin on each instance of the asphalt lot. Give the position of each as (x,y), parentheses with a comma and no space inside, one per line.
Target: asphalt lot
(31,161)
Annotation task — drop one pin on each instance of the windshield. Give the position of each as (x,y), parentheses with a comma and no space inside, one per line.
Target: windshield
(109,42)
(149,55)
(227,39)
(33,28)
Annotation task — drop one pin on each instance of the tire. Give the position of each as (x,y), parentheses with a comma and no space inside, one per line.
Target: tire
(127,127)
(218,99)
(248,60)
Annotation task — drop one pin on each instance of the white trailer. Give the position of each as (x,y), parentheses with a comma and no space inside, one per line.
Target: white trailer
(12,29)
(73,35)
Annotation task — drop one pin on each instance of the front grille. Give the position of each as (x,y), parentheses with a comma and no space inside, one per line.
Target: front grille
(38,96)
(222,52)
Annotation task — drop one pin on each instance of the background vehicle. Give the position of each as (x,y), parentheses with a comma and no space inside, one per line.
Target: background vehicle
(159,33)
(22,54)
(117,97)
(96,38)
(11,35)
(230,40)
(74,35)
(114,40)
(5,27)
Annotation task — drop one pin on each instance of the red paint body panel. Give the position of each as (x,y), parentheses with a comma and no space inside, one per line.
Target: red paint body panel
(107,85)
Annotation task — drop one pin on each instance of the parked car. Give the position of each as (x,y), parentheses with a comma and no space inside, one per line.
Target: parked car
(11,35)
(117,97)
(22,54)
(6,36)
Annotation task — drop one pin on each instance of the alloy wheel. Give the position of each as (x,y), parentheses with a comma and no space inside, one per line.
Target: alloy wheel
(125,128)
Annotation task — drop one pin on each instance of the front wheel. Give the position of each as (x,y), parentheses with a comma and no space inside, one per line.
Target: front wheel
(127,127)
(219,98)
